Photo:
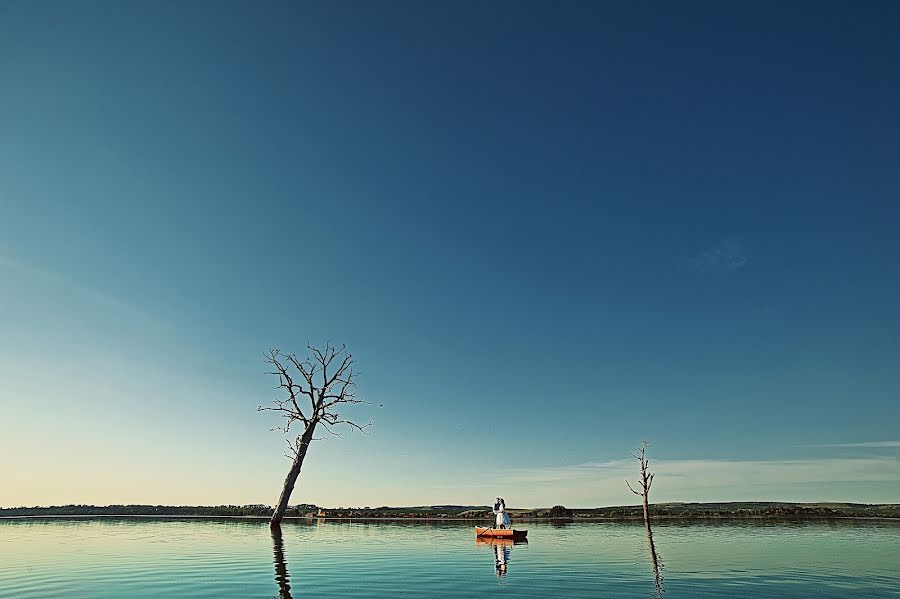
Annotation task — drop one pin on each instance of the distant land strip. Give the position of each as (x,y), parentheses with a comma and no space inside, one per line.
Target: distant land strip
(686,511)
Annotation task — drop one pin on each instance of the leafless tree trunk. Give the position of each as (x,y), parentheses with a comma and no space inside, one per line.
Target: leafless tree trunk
(645,482)
(322,382)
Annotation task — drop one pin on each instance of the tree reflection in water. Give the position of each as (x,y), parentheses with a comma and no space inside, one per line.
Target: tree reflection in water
(657,565)
(281,572)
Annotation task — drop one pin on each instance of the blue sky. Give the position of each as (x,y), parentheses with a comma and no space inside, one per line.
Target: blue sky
(546,231)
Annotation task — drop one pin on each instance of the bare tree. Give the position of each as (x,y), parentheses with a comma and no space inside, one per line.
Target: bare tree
(645,482)
(313,390)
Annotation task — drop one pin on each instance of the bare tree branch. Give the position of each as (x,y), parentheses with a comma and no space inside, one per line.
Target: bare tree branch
(286,382)
(327,426)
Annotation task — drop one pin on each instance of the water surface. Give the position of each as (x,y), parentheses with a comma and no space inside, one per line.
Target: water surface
(122,558)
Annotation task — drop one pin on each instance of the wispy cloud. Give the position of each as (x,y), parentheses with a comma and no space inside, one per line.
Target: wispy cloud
(865,444)
(686,480)
(726,257)
(99,299)
(12,264)
(719,472)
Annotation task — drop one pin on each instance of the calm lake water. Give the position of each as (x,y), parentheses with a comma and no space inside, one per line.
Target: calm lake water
(194,558)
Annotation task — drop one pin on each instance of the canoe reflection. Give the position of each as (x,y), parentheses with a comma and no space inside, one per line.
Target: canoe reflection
(502,548)
(281,572)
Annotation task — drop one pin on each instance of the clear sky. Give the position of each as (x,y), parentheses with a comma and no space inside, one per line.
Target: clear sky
(545,230)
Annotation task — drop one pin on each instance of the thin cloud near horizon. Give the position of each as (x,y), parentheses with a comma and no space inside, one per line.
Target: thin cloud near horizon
(720,480)
(864,444)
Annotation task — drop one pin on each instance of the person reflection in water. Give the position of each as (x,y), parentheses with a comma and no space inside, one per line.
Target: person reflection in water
(501,552)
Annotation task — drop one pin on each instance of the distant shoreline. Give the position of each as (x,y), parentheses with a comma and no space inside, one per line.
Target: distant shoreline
(746,511)
(562,521)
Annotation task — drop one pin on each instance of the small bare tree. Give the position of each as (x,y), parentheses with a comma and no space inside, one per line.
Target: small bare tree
(314,390)
(645,482)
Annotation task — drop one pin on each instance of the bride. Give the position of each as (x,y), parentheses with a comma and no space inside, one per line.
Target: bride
(500,511)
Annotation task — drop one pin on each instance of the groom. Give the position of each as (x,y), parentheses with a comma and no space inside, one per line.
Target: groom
(499,508)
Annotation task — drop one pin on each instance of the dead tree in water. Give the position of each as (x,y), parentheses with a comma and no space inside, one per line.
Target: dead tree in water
(645,482)
(315,388)
(644,493)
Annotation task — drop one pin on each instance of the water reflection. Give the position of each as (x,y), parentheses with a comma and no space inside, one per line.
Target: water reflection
(502,548)
(281,572)
(657,565)
(739,560)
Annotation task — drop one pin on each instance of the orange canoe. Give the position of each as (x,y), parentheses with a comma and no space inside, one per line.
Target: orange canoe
(500,533)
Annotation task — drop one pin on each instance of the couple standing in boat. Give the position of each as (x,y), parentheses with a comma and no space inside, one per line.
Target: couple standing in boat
(500,513)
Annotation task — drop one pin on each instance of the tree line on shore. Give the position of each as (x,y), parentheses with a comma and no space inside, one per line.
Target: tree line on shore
(665,510)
